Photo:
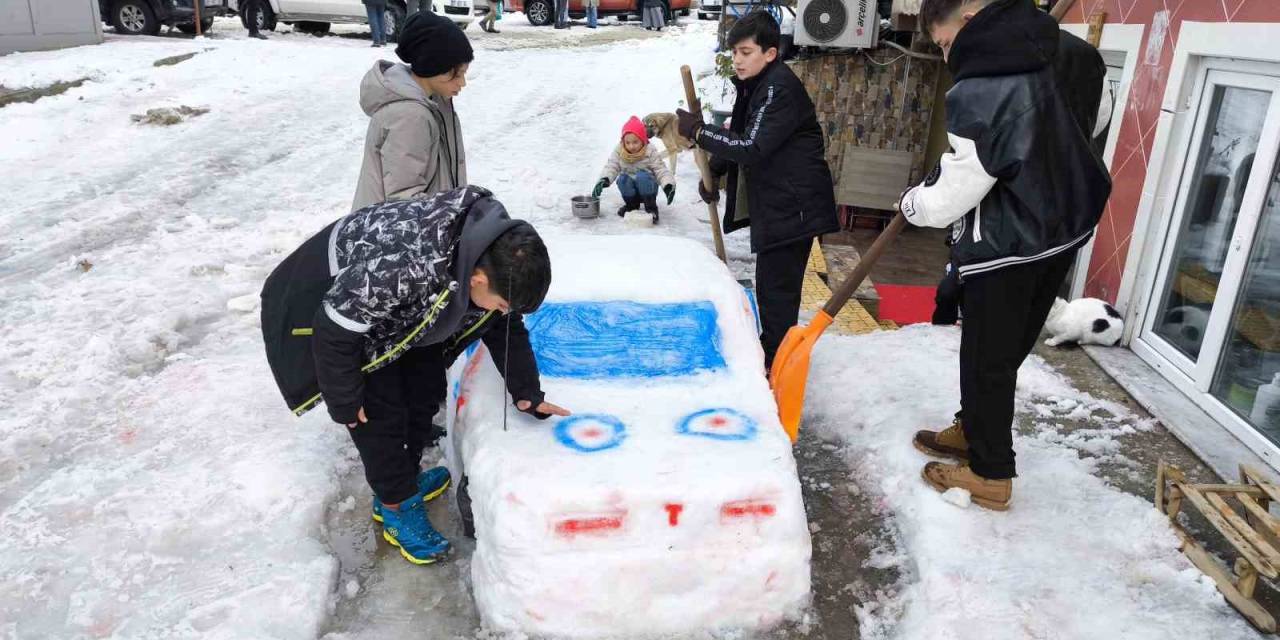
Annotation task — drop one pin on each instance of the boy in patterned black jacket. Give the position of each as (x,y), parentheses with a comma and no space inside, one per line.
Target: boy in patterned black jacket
(367,315)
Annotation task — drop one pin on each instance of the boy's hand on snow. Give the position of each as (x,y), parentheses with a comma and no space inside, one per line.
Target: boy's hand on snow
(599,188)
(670,190)
(688,124)
(542,411)
(360,419)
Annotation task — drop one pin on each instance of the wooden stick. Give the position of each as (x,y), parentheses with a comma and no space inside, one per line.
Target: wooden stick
(1096,21)
(1246,489)
(1060,9)
(1261,481)
(1247,532)
(1258,511)
(1246,577)
(1251,610)
(704,166)
(1229,532)
(196,4)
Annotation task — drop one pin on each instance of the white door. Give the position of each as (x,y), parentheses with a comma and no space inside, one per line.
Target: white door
(1212,320)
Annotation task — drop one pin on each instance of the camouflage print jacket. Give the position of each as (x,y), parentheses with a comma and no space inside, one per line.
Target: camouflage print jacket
(379,281)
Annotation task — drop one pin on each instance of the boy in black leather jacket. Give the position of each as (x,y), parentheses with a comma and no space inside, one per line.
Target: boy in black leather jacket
(1022,190)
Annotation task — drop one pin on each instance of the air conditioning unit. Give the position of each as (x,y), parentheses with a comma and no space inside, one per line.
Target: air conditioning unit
(837,23)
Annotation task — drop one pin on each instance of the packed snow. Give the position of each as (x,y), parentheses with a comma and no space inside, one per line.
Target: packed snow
(153,485)
(1073,558)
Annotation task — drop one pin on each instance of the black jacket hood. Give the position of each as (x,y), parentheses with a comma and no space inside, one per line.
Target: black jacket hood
(1004,38)
(483,223)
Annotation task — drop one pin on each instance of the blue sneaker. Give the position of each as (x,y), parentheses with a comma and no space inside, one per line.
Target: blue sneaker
(432,483)
(409,530)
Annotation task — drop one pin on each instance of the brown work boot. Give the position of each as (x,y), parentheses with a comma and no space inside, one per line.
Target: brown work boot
(990,494)
(948,443)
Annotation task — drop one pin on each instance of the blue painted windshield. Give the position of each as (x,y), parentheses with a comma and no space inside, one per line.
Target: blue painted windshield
(625,339)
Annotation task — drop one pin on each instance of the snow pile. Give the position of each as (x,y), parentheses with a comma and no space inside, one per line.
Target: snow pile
(669,502)
(1073,558)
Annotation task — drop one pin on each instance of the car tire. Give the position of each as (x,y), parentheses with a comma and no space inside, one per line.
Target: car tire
(394,18)
(702,16)
(539,12)
(190,29)
(311,27)
(266,18)
(623,17)
(684,12)
(134,18)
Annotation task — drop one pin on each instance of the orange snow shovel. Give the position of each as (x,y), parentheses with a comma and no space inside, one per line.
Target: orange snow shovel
(790,369)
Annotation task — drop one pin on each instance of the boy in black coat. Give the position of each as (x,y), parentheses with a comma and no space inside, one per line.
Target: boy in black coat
(779,183)
(1022,190)
(367,315)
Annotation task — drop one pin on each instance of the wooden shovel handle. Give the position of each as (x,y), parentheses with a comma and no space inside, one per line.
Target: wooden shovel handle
(704,167)
(841,295)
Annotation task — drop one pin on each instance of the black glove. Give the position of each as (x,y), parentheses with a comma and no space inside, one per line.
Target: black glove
(709,196)
(670,190)
(604,182)
(688,124)
(533,410)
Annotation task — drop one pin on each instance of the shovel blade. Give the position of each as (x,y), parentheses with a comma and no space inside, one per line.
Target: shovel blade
(790,371)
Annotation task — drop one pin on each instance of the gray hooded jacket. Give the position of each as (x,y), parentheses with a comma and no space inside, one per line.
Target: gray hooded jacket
(414,143)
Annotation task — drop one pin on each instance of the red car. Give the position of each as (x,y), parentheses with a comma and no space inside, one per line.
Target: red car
(542,12)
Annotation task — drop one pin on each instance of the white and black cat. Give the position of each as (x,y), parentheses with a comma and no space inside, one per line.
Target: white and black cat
(1084,321)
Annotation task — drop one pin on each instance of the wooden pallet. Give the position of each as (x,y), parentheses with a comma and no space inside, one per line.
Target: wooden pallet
(1249,527)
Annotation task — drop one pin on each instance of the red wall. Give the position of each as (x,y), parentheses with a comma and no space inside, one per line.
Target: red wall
(1138,126)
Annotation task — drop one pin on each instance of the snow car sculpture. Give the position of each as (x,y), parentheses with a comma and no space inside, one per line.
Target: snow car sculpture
(669,501)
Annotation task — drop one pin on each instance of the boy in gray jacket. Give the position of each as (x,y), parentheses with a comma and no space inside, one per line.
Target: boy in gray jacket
(414,142)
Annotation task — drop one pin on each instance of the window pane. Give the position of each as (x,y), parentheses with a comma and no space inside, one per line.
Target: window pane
(1251,357)
(1209,214)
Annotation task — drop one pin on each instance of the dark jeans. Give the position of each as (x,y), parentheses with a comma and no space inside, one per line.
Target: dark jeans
(250,10)
(1004,312)
(399,400)
(641,185)
(377,23)
(779,276)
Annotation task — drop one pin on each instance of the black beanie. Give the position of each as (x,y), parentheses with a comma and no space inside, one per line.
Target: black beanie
(432,45)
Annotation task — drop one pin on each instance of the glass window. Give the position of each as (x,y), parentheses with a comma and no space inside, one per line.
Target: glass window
(1234,124)
(1246,379)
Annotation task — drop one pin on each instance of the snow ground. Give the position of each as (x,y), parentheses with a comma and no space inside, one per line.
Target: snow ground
(152,484)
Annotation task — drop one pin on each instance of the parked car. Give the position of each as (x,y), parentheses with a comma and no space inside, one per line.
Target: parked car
(145,17)
(316,16)
(542,12)
(709,9)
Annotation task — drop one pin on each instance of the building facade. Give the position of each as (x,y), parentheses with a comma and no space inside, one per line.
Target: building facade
(1189,246)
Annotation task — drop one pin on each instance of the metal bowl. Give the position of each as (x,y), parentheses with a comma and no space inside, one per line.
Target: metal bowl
(585,207)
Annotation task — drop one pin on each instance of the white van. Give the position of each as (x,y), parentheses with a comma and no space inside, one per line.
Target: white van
(315,16)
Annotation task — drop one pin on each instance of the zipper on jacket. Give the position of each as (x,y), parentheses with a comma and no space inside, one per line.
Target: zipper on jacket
(479,323)
(977,223)
(400,346)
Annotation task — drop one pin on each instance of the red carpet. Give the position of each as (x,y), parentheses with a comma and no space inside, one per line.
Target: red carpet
(906,304)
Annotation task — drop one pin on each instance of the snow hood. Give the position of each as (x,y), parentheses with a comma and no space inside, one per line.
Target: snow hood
(388,82)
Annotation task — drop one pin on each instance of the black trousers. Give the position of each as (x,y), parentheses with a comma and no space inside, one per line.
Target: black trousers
(779,277)
(399,400)
(250,10)
(1004,312)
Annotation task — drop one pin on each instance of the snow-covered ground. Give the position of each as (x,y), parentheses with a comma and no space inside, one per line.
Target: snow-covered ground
(153,485)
